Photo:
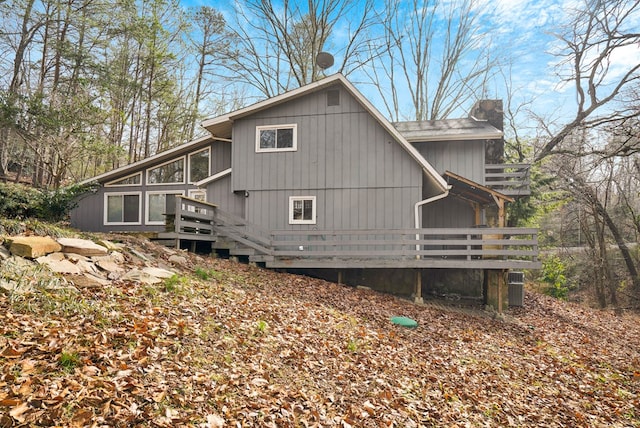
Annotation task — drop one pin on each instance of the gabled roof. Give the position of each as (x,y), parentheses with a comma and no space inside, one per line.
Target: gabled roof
(158,158)
(221,126)
(448,130)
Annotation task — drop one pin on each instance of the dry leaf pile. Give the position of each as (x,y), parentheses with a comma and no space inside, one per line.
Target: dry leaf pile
(227,344)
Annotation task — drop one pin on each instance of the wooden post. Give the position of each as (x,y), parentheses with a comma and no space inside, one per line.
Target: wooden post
(496,290)
(339,276)
(418,293)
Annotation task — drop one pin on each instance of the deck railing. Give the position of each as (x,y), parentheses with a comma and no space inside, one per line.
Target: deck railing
(439,247)
(454,243)
(508,179)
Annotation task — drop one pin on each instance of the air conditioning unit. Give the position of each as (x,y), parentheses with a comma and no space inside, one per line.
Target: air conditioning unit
(516,288)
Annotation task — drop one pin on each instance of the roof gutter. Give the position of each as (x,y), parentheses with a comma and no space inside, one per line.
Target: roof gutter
(417,212)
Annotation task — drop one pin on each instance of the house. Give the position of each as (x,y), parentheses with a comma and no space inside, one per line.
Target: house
(316,180)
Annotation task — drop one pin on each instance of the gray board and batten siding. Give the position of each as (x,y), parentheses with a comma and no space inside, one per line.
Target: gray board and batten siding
(465,158)
(361,177)
(90,212)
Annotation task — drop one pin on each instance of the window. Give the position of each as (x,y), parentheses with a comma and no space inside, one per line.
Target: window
(130,180)
(279,138)
(199,165)
(159,205)
(171,172)
(302,210)
(198,195)
(333,97)
(122,208)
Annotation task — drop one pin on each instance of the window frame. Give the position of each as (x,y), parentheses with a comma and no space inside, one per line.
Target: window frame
(292,126)
(208,149)
(112,183)
(192,194)
(314,209)
(184,172)
(147,205)
(105,217)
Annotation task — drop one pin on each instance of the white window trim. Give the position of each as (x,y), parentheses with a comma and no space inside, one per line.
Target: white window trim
(184,172)
(112,183)
(208,149)
(193,192)
(293,126)
(192,195)
(146,204)
(313,209)
(105,219)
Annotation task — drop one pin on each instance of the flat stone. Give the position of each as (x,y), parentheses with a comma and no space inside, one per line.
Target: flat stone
(11,287)
(4,253)
(178,260)
(110,246)
(86,280)
(109,266)
(137,275)
(158,272)
(32,247)
(83,247)
(87,266)
(139,254)
(55,264)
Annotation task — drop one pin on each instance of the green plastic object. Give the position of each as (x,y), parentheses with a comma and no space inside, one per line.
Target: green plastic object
(405,322)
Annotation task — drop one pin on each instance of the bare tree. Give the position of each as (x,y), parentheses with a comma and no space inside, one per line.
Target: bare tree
(274,50)
(597,35)
(436,53)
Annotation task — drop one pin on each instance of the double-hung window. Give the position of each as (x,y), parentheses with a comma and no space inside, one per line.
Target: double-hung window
(302,210)
(277,138)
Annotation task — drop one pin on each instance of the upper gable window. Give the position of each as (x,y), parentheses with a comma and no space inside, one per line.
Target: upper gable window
(130,180)
(171,172)
(278,138)
(199,165)
(333,97)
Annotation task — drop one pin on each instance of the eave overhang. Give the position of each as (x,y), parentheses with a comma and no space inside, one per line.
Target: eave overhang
(472,191)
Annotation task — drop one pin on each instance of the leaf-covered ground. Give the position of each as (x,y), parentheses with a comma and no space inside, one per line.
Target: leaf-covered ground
(232,345)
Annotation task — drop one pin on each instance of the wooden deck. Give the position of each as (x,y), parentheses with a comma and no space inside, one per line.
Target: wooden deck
(452,248)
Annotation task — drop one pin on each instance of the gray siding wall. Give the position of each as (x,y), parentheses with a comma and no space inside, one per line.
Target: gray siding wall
(465,158)
(360,176)
(219,192)
(448,212)
(89,215)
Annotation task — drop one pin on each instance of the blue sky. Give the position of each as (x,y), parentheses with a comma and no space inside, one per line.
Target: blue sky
(521,32)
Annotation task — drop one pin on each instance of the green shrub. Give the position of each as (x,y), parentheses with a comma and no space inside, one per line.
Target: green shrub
(554,275)
(18,201)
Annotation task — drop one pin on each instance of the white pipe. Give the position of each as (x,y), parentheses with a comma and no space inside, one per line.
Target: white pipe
(417,212)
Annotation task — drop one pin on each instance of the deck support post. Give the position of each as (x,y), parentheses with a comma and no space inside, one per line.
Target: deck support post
(340,276)
(418,293)
(496,289)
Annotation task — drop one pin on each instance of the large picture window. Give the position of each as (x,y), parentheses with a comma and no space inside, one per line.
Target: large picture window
(159,205)
(122,208)
(276,138)
(171,172)
(199,165)
(302,210)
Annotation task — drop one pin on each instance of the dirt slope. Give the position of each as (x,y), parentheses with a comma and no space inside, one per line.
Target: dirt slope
(225,344)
